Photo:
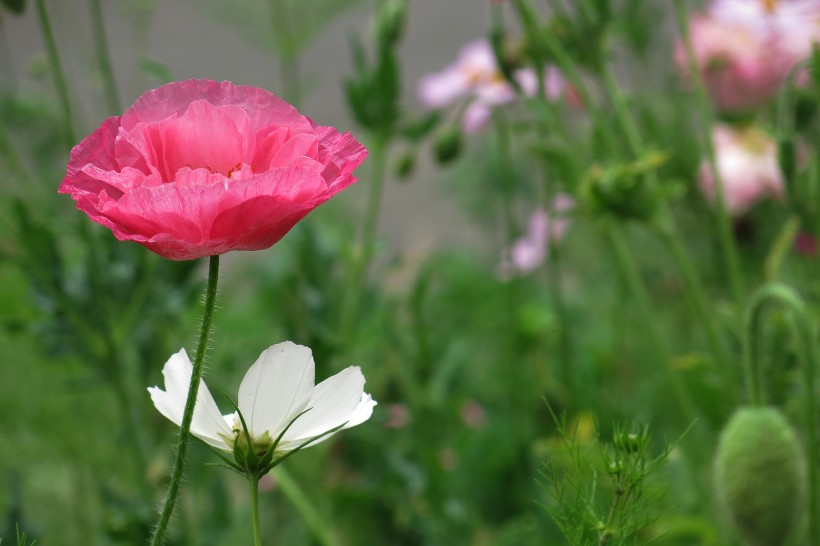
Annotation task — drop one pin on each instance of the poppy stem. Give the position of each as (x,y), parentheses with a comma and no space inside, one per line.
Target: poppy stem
(112,98)
(57,73)
(187,416)
(803,327)
(257,535)
(727,241)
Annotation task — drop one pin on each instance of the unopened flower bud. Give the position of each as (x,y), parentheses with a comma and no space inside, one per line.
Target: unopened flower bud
(760,475)
(447,144)
(389,25)
(628,442)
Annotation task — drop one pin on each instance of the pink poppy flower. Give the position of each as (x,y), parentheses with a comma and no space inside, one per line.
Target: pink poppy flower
(199,168)
(747,162)
(745,49)
(476,76)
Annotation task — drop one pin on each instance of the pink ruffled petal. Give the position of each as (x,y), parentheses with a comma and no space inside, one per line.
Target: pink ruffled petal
(203,137)
(263,107)
(97,149)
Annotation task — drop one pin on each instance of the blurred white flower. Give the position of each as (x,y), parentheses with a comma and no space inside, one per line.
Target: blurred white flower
(276,397)
(748,167)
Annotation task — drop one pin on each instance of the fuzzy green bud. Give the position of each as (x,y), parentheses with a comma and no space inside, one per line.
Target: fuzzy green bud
(447,144)
(760,475)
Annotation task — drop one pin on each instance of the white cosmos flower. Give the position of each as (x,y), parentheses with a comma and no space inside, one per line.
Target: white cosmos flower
(277,391)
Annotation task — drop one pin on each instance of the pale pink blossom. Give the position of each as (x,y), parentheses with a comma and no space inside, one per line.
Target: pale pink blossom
(198,168)
(747,163)
(475,76)
(745,49)
(530,251)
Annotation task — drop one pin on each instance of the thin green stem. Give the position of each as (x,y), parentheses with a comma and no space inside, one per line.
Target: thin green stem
(725,235)
(14,162)
(568,68)
(6,64)
(697,297)
(297,497)
(257,533)
(803,326)
(627,263)
(101,45)
(505,175)
(190,402)
(669,233)
(364,252)
(282,28)
(57,74)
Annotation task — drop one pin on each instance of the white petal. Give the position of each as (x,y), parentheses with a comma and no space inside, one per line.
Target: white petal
(207,423)
(276,388)
(335,400)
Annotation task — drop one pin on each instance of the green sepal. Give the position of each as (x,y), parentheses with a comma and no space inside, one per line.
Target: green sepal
(299,447)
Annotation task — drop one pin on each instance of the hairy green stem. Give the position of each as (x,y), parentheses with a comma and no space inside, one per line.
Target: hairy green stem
(253,481)
(57,73)
(804,328)
(190,402)
(725,235)
(101,45)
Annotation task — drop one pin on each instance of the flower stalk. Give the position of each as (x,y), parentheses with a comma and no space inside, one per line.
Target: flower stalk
(101,45)
(57,73)
(803,327)
(188,414)
(253,481)
(727,241)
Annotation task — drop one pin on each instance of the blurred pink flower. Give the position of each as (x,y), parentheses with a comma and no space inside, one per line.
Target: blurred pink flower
(745,49)
(475,75)
(198,168)
(398,416)
(473,414)
(447,459)
(530,251)
(748,167)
